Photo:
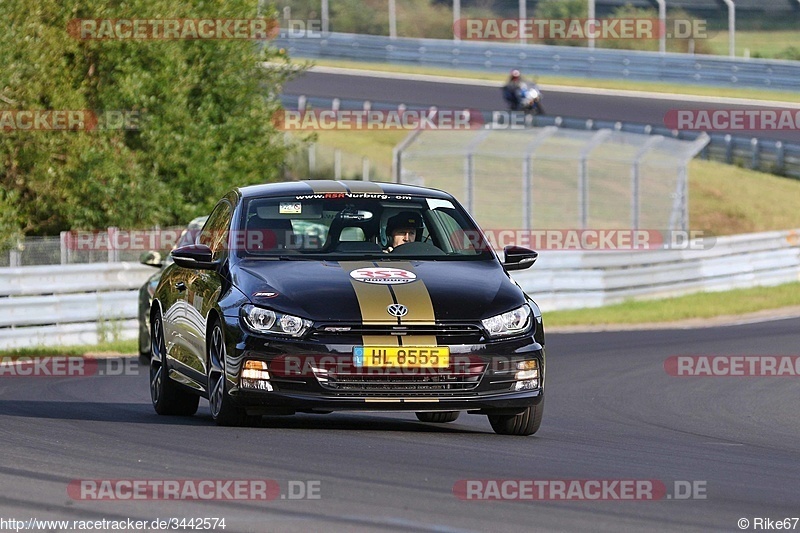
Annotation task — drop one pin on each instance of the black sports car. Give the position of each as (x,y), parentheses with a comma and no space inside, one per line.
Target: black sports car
(296,298)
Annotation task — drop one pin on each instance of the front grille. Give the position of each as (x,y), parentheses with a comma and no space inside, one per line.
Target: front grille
(455,333)
(406,381)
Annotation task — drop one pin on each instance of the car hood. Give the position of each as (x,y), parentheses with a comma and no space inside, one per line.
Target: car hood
(361,291)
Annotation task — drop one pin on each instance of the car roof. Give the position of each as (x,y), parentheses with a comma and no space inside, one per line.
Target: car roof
(307,187)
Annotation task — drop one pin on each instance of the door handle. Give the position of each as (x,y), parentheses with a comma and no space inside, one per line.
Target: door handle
(181,286)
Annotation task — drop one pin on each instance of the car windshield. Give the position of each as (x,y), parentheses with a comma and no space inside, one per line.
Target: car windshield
(343,226)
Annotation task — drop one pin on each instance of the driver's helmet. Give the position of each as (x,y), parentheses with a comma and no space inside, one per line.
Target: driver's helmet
(515,74)
(404,219)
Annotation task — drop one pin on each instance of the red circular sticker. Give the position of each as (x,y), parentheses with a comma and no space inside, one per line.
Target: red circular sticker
(383,276)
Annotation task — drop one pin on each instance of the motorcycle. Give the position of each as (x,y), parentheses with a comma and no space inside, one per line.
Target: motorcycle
(527,98)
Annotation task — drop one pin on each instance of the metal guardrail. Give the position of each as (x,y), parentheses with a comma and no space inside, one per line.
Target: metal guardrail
(766,155)
(69,304)
(73,304)
(556,60)
(578,279)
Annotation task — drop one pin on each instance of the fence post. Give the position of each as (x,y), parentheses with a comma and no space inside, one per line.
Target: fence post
(399,150)
(635,181)
(63,236)
(337,164)
(728,148)
(364,169)
(469,169)
(780,157)
(527,178)
(754,157)
(14,255)
(683,176)
(583,174)
(113,249)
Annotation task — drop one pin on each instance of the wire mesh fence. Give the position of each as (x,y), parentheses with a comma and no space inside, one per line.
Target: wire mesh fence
(318,161)
(540,178)
(108,245)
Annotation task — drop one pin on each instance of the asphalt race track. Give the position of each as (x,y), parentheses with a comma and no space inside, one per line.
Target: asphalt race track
(643,110)
(613,413)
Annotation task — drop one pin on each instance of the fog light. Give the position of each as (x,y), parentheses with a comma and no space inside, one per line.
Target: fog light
(255,376)
(527,375)
(530,384)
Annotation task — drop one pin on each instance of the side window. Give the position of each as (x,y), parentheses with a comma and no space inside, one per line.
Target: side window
(451,235)
(215,232)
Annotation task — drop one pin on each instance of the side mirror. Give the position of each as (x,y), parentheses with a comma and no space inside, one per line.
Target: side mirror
(196,256)
(152,259)
(518,258)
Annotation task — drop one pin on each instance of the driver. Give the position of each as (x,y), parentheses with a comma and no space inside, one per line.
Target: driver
(402,228)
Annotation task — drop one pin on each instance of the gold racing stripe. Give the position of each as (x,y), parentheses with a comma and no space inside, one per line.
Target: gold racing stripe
(380,340)
(373,298)
(323,186)
(419,340)
(416,298)
(362,186)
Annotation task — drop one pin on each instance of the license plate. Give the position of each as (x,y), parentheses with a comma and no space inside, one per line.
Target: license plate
(401,356)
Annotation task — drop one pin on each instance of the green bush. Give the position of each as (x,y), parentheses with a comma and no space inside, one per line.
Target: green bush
(204,112)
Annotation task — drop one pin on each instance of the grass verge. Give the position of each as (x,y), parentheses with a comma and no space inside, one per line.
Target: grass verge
(129,347)
(701,305)
(770,43)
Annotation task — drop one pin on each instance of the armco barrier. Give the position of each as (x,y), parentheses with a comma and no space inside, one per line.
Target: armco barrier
(69,304)
(575,279)
(63,304)
(555,60)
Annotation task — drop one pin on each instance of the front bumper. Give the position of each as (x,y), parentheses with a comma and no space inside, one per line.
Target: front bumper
(310,376)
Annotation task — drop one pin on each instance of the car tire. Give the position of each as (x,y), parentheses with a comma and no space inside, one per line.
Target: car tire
(167,396)
(223,409)
(438,418)
(525,423)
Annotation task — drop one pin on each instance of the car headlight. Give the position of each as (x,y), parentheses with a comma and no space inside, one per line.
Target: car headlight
(514,322)
(262,320)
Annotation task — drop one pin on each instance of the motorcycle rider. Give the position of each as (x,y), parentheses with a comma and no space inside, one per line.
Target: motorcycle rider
(514,93)
(512,90)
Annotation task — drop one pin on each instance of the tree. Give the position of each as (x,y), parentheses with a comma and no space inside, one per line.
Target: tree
(200,111)
(562,10)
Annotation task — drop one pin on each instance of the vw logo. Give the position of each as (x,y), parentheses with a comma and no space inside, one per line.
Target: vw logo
(398,310)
